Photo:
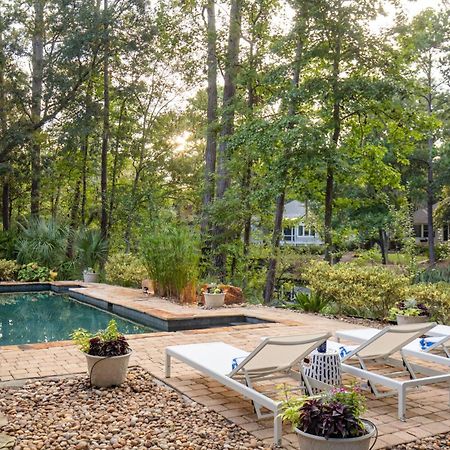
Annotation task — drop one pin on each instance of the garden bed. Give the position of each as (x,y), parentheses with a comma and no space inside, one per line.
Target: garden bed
(141,414)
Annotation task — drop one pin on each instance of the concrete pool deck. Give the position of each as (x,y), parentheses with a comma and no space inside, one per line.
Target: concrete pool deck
(427,409)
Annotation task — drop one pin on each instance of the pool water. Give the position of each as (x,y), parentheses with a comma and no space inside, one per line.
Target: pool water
(44,317)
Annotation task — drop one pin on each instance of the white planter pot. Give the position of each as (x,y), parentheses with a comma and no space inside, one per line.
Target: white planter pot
(312,442)
(105,372)
(90,277)
(405,320)
(214,300)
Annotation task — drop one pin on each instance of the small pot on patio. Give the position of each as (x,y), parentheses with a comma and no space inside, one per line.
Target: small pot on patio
(214,296)
(90,276)
(107,354)
(330,421)
(409,312)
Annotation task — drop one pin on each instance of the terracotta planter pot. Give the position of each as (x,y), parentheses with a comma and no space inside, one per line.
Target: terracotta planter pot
(214,300)
(405,320)
(90,277)
(105,372)
(312,442)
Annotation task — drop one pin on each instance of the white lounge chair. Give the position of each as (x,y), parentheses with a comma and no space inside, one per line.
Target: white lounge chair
(419,348)
(362,334)
(277,357)
(379,349)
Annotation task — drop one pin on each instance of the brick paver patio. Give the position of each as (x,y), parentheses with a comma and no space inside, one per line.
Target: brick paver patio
(427,408)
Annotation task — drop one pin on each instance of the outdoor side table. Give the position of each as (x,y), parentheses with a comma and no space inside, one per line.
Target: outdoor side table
(324,367)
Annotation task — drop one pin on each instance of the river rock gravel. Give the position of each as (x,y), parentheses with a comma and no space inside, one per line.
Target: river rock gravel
(66,414)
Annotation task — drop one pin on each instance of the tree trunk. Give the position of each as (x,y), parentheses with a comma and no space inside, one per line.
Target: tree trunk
(272,266)
(211,134)
(430,181)
(3,127)
(37,64)
(114,170)
(106,128)
(5,206)
(329,190)
(384,245)
(73,218)
(278,222)
(227,125)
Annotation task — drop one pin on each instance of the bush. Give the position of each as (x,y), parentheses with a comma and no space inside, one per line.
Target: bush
(311,302)
(171,255)
(43,242)
(125,269)
(436,296)
(35,272)
(8,270)
(91,249)
(433,275)
(442,252)
(368,291)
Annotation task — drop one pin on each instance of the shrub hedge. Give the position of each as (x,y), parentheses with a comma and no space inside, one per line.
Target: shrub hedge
(370,291)
(125,269)
(8,270)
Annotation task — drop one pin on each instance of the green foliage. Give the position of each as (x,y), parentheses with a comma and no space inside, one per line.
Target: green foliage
(171,255)
(308,302)
(442,251)
(433,275)
(8,244)
(370,291)
(35,272)
(8,270)
(125,269)
(108,342)
(91,249)
(43,242)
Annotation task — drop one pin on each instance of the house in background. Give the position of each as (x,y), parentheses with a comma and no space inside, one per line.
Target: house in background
(420,223)
(298,233)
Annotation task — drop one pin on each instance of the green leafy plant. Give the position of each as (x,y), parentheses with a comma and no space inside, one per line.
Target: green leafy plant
(8,270)
(410,308)
(308,302)
(43,242)
(108,342)
(35,272)
(433,275)
(336,414)
(125,269)
(213,288)
(171,255)
(91,249)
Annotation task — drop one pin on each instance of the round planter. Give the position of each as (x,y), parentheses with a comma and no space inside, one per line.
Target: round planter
(90,277)
(312,442)
(105,372)
(214,300)
(406,320)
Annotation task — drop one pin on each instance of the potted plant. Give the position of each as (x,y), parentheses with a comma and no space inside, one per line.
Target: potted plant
(91,249)
(107,353)
(409,311)
(90,275)
(214,296)
(330,421)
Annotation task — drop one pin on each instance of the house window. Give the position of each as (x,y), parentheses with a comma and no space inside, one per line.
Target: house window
(421,231)
(424,231)
(305,232)
(288,234)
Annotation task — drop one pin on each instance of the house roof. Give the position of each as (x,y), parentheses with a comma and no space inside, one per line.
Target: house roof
(420,215)
(294,210)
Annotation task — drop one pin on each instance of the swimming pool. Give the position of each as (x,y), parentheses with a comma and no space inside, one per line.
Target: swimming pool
(45,317)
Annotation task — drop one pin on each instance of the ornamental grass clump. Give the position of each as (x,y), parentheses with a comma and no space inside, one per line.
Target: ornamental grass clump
(336,414)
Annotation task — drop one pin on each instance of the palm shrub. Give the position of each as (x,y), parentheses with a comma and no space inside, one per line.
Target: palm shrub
(43,242)
(90,249)
(171,255)
(125,269)
(309,302)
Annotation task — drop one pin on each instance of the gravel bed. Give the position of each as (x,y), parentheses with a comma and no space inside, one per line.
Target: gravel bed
(65,414)
(441,441)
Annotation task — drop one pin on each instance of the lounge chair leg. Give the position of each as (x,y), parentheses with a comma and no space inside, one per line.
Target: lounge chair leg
(402,403)
(167,365)
(277,428)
